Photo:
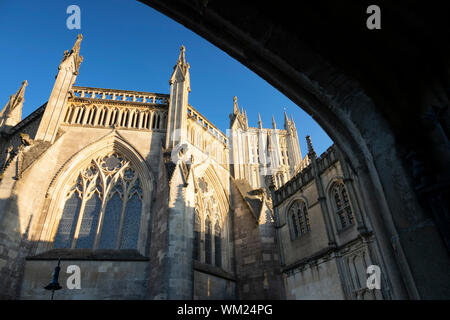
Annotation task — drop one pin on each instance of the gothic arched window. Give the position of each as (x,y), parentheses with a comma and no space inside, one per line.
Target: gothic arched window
(299,219)
(208,241)
(211,239)
(197,233)
(155,121)
(342,205)
(103,208)
(217,245)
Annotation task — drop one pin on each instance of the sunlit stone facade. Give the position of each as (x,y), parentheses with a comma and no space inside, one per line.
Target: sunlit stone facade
(152,201)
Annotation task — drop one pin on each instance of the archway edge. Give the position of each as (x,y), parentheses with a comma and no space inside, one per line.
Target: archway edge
(366,132)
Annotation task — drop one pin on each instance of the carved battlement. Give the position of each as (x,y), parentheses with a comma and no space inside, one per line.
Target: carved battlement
(117,108)
(207,125)
(304,176)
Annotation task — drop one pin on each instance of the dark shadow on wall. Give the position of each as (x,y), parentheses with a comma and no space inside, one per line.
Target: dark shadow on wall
(104,274)
(14,247)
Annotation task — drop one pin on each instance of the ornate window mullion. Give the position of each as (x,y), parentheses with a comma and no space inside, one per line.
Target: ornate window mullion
(80,215)
(106,190)
(100,223)
(108,211)
(122,214)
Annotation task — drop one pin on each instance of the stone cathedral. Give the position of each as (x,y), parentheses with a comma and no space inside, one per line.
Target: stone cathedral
(152,201)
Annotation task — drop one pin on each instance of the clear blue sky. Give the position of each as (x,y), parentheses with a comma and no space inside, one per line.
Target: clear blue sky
(128,45)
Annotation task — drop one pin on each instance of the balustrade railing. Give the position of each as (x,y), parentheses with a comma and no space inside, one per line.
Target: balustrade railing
(139,115)
(202,121)
(107,116)
(119,95)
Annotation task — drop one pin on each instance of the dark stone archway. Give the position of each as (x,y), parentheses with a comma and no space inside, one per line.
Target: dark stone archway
(381,95)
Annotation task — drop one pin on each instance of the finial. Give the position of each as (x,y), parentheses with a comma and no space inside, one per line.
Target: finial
(286,120)
(259,121)
(75,52)
(311,152)
(235,105)
(11,114)
(182,57)
(19,96)
(292,121)
(76,46)
(21,93)
(274,125)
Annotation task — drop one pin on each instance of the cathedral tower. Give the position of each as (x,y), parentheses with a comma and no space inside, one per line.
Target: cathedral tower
(259,153)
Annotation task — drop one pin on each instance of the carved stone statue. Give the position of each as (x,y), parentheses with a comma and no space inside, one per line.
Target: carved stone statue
(8,156)
(26,140)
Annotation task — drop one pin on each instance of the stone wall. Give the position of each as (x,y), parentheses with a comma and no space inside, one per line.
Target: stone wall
(159,236)
(211,287)
(25,199)
(256,253)
(99,280)
(327,262)
(315,281)
(311,242)
(15,225)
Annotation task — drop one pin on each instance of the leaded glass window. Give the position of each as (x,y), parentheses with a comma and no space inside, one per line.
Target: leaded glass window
(342,205)
(197,233)
(110,229)
(210,244)
(305,216)
(103,208)
(68,222)
(298,214)
(218,245)
(295,225)
(208,241)
(89,223)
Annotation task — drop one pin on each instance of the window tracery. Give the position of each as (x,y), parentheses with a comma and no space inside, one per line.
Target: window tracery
(208,226)
(299,219)
(103,208)
(342,205)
